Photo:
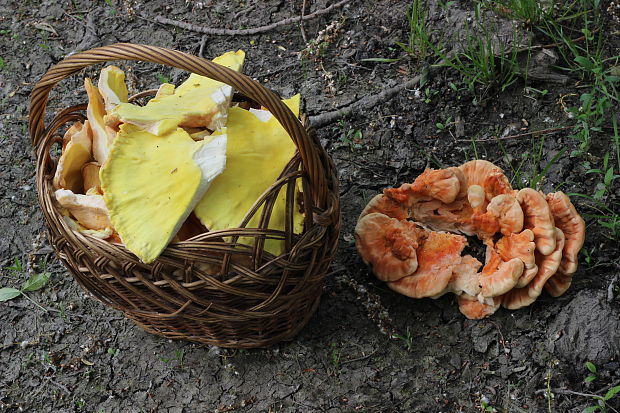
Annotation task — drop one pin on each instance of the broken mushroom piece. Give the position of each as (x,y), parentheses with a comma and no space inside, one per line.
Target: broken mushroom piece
(198,102)
(165,89)
(90,177)
(388,245)
(89,210)
(437,255)
(169,175)
(75,154)
(112,87)
(387,206)
(537,217)
(102,135)
(253,145)
(547,266)
(464,278)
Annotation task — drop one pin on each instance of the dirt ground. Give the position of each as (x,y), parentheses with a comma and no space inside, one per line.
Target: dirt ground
(367,348)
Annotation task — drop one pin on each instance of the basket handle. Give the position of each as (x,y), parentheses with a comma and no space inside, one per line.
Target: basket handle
(308,148)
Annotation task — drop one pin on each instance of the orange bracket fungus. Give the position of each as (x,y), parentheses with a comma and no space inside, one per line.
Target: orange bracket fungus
(409,237)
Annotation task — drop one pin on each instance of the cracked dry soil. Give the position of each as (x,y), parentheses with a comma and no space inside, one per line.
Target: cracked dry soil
(367,348)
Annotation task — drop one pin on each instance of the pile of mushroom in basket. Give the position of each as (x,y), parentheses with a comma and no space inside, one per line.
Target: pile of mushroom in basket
(183,163)
(409,237)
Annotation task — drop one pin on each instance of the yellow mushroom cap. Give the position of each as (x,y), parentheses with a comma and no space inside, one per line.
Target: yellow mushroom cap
(165,89)
(197,102)
(95,112)
(152,183)
(112,87)
(256,155)
(74,155)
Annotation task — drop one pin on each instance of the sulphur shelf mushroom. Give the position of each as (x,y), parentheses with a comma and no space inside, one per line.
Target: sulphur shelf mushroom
(258,150)
(198,102)
(152,183)
(75,154)
(406,236)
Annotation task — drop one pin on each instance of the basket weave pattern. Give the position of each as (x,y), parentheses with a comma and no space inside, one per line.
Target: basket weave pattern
(210,288)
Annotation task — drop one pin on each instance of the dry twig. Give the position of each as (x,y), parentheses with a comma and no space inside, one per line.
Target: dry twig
(364,103)
(245,32)
(520,135)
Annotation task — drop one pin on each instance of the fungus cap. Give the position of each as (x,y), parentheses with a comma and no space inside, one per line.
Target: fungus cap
(473,309)
(198,102)
(257,153)
(537,217)
(498,276)
(520,246)
(112,87)
(169,175)
(547,266)
(388,245)
(90,177)
(485,174)
(102,135)
(465,278)
(387,206)
(572,225)
(437,256)
(441,184)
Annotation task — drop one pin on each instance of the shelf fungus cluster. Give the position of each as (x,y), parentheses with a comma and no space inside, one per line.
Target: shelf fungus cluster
(184,163)
(413,238)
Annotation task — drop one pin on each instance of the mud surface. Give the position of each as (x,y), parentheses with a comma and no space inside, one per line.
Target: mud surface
(367,348)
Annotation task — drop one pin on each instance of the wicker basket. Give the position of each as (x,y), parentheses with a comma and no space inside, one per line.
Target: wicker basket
(253,299)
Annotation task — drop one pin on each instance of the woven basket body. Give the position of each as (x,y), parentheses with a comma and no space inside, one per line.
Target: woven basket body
(210,288)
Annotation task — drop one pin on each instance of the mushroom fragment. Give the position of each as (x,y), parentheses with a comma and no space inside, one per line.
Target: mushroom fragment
(525,250)
(112,87)
(253,145)
(198,102)
(169,175)
(90,177)
(95,112)
(75,154)
(388,245)
(89,210)
(464,278)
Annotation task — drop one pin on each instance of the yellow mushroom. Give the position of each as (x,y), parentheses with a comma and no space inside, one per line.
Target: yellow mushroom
(102,135)
(256,155)
(74,155)
(165,89)
(197,102)
(112,87)
(152,183)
